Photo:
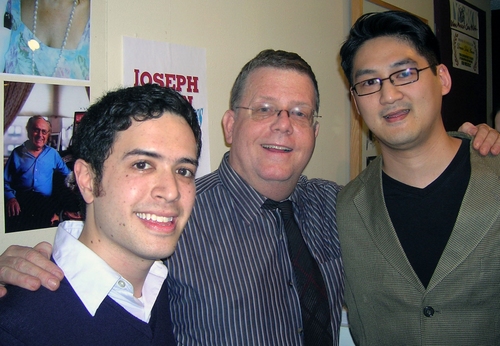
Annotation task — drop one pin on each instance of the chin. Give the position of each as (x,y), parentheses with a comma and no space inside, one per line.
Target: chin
(166,251)
(278,177)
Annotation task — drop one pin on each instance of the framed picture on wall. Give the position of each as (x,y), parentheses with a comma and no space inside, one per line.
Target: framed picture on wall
(32,52)
(49,201)
(55,140)
(77,118)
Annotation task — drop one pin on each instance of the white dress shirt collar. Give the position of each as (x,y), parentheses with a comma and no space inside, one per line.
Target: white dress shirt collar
(93,279)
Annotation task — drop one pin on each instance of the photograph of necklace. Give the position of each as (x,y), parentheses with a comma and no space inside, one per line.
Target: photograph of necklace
(35,45)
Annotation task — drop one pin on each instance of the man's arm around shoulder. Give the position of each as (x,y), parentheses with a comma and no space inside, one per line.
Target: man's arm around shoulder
(29,268)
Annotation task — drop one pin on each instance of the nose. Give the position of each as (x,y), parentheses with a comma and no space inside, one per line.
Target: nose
(282,123)
(389,93)
(283,110)
(166,187)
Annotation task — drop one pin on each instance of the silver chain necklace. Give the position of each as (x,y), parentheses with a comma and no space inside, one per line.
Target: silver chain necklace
(34,44)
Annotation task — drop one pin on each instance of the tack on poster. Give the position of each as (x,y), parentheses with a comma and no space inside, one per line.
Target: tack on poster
(179,67)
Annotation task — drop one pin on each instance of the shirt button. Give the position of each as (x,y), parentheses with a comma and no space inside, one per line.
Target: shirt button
(428,311)
(300,330)
(290,283)
(121,284)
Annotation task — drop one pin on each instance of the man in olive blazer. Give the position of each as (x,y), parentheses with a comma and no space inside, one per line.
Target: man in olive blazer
(420,226)
(388,305)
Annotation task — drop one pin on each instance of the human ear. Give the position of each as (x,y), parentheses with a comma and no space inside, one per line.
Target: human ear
(228,124)
(316,129)
(445,78)
(85,180)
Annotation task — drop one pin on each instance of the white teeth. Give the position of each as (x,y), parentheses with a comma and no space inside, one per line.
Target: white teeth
(267,146)
(154,217)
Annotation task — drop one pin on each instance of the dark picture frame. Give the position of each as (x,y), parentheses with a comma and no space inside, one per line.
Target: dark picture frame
(55,140)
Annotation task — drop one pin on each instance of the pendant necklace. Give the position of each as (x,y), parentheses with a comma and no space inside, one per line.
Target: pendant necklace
(34,44)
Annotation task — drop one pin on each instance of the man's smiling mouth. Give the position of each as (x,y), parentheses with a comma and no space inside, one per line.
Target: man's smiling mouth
(276,147)
(154,217)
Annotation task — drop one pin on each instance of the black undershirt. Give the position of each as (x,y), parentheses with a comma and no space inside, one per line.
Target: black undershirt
(424,218)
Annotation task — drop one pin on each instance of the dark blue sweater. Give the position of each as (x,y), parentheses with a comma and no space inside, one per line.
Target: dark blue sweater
(60,318)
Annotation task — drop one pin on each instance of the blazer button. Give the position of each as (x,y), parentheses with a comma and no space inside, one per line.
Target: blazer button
(428,311)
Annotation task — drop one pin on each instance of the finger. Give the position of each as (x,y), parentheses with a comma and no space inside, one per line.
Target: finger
(17,209)
(14,210)
(468,128)
(11,276)
(28,268)
(40,257)
(495,149)
(491,141)
(3,291)
(44,248)
(481,137)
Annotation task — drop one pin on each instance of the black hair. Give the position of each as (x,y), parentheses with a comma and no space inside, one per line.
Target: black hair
(115,111)
(398,24)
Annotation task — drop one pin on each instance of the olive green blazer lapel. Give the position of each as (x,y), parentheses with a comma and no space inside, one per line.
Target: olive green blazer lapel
(482,199)
(370,205)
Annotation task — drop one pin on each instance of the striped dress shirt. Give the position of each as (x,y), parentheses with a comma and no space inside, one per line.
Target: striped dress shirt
(231,279)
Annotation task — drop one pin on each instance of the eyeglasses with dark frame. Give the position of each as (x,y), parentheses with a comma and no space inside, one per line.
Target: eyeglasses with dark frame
(398,78)
(36,130)
(302,114)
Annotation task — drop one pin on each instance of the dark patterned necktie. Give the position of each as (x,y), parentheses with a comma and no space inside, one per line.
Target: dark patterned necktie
(310,284)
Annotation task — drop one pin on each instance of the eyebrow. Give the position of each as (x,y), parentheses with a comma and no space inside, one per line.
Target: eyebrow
(269,99)
(399,63)
(155,155)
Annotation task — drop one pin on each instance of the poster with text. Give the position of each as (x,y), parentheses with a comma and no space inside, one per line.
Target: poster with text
(179,67)
(465,52)
(464,19)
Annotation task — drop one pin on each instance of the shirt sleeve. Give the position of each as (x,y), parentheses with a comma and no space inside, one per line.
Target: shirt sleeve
(60,165)
(9,170)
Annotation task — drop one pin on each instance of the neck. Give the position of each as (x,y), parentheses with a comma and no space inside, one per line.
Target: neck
(276,191)
(132,268)
(33,149)
(420,166)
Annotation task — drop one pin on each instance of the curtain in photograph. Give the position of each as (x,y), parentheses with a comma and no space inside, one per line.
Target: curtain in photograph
(15,95)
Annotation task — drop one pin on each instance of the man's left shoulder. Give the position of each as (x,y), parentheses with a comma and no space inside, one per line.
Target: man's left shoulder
(321,193)
(318,185)
(491,162)
(50,153)
(48,148)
